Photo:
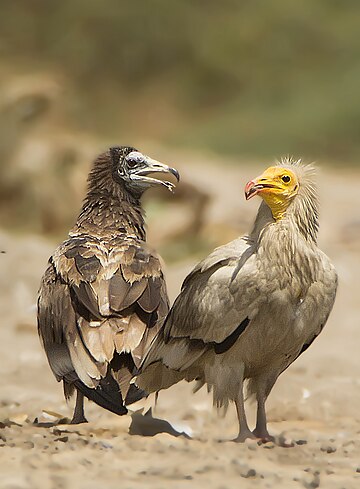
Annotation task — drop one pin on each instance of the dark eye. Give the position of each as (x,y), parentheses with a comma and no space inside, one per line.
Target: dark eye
(134,158)
(132,163)
(286,179)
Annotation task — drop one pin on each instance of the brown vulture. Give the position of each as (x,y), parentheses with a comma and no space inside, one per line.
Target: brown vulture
(249,309)
(103,295)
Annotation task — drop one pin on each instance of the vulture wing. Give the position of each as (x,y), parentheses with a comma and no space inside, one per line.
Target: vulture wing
(211,291)
(219,299)
(100,305)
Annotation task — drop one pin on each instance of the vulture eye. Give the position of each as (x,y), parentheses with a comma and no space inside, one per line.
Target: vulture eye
(134,158)
(132,163)
(286,179)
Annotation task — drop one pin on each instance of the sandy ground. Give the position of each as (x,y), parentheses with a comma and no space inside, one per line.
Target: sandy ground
(315,403)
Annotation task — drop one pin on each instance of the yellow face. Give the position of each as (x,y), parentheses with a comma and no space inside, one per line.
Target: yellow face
(277,186)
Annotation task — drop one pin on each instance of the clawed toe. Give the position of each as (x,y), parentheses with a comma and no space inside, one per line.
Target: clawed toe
(263,437)
(242,437)
(78,420)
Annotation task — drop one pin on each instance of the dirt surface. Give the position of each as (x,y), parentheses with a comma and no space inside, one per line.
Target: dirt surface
(315,403)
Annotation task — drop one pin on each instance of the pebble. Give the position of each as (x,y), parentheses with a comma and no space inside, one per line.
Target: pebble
(252,446)
(28,444)
(313,484)
(105,444)
(328,448)
(18,419)
(63,439)
(250,473)
(269,445)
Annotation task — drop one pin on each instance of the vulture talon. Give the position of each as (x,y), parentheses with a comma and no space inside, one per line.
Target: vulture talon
(78,420)
(264,438)
(243,437)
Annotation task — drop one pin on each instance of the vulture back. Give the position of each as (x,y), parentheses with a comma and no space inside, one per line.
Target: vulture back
(103,296)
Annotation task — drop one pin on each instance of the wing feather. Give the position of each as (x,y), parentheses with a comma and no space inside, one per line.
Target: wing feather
(150,298)
(97,302)
(122,293)
(207,308)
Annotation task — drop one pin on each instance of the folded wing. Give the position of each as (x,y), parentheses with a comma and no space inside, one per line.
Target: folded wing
(100,305)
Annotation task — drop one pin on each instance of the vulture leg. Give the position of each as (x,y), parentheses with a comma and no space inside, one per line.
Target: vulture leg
(79,416)
(244,430)
(263,388)
(260,430)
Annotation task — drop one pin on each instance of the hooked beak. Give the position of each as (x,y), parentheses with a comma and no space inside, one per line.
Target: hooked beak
(255,186)
(154,166)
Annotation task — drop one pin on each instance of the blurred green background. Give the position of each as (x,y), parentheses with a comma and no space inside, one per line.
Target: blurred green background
(245,80)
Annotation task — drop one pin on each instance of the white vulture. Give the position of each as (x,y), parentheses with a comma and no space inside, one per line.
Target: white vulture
(103,295)
(249,309)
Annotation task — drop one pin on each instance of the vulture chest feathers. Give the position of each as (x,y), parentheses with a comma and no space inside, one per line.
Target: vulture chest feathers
(103,295)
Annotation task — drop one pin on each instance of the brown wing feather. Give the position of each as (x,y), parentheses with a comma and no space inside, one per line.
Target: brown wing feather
(150,299)
(122,293)
(103,303)
(56,323)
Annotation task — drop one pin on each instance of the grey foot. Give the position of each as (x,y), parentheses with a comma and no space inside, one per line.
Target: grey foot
(263,436)
(243,436)
(78,420)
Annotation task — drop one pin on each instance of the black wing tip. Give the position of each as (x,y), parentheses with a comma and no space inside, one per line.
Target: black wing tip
(135,394)
(109,399)
(232,338)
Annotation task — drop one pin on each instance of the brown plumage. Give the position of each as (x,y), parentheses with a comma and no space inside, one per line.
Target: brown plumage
(249,309)
(103,295)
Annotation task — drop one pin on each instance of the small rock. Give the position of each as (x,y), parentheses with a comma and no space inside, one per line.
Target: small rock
(250,473)
(358,470)
(48,418)
(269,445)
(252,446)
(63,439)
(19,419)
(301,442)
(29,444)
(328,448)
(314,484)
(285,442)
(105,444)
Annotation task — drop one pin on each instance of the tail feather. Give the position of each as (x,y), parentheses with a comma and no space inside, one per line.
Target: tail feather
(134,394)
(107,395)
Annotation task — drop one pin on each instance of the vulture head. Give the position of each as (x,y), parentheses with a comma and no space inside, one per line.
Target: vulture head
(124,167)
(133,168)
(280,185)
(288,190)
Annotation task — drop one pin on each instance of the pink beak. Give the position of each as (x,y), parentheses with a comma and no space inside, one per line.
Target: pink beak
(251,189)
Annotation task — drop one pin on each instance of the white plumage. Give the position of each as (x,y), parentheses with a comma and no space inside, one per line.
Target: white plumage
(250,308)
